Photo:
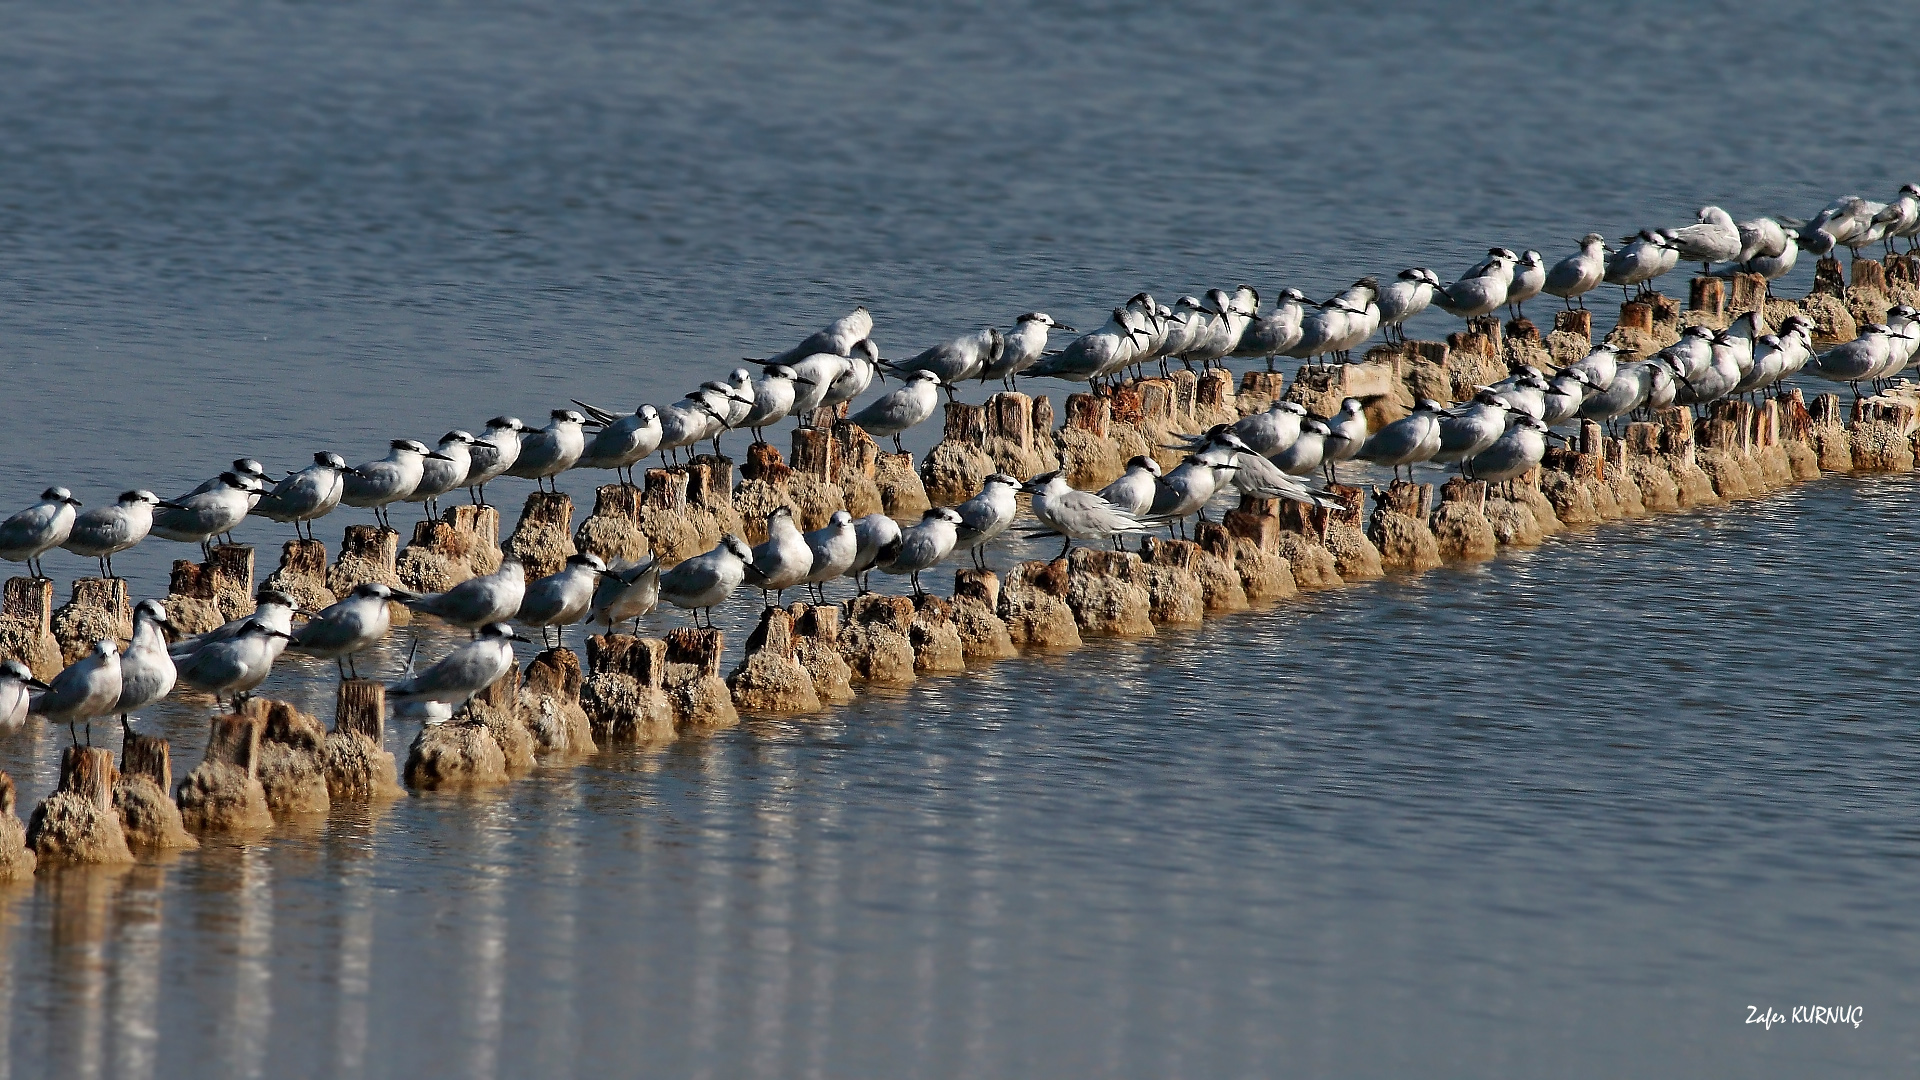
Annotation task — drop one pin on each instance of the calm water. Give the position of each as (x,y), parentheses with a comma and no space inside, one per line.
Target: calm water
(1569,813)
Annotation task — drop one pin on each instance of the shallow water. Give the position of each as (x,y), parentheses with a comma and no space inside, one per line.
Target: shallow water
(1570,812)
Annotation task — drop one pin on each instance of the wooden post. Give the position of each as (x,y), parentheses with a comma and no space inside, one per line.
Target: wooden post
(1636,315)
(30,599)
(1461,490)
(555,672)
(981,585)
(1405,497)
(774,634)
(1749,293)
(666,490)
(1869,274)
(1010,417)
(1795,421)
(87,771)
(617,500)
(1708,294)
(544,508)
(360,706)
(504,693)
(1215,389)
(9,801)
(1256,519)
(858,451)
(1578,321)
(1482,336)
(376,544)
(966,425)
(644,660)
(710,482)
(1825,409)
(1042,414)
(234,739)
(701,648)
(145,755)
(1827,280)
(1088,413)
(763,463)
(306,558)
(816,453)
(1522,330)
(1590,437)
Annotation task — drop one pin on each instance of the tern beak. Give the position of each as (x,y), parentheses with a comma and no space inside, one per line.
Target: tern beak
(520,637)
(438,456)
(70,501)
(171,505)
(804,382)
(38,685)
(355,472)
(1065,329)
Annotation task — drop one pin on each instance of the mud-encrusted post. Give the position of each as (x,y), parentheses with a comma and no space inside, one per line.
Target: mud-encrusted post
(1175,596)
(816,647)
(859,463)
(1034,608)
(1749,294)
(543,537)
(1708,295)
(17,860)
(1460,524)
(302,574)
(292,758)
(816,453)
(359,768)
(875,643)
(768,680)
(148,815)
(550,695)
(955,468)
(1578,322)
(26,625)
(463,543)
(1831,441)
(1398,527)
(201,596)
(625,698)
(223,794)
(77,823)
(1107,591)
(468,756)
(1087,456)
(367,554)
(935,636)
(99,610)
(663,516)
(976,599)
(700,698)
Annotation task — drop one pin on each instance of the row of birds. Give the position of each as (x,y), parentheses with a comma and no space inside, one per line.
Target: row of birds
(1500,434)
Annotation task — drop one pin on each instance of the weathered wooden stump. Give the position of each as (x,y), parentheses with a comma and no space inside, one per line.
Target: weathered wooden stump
(551,687)
(769,680)
(99,610)
(17,860)
(543,537)
(77,823)
(1708,295)
(1577,321)
(1869,274)
(625,696)
(1398,527)
(148,815)
(26,625)
(223,794)
(1749,294)
(700,698)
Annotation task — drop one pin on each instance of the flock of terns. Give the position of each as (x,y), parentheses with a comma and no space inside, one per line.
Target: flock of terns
(1497,436)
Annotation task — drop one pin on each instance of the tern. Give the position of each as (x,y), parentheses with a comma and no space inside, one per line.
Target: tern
(197,519)
(38,529)
(1407,441)
(709,579)
(105,531)
(872,534)
(343,629)
(1640,261)
(1519,448)
(379,483)
(84,690)
(1714,239)
(922,546)
(1852,361)
(952,362)
(784,560)
(1348,429)
(443,470)
(833,548)
(311,493)
(623,441)
(1407,295)
(854,378)
(547,453)
(1579,273)
(773,396)
(1471,428)
(1279,330)
(988,514)
(1529,277)
(17,685)
(563,597)
(492,454)
(1076,515)
(477,601)
(233,666)
(146,670)
(902,409)
(273,609)
(692,419)
(1480,293)
(456,678)
(838,339)
(1088,357)
(628,590)
(1134,491)
(1023,347)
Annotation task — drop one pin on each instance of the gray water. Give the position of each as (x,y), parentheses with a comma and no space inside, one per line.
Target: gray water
(1567,813)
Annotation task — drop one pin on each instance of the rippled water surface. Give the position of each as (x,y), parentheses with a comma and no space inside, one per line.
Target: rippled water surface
(1567,813)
